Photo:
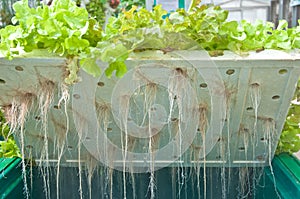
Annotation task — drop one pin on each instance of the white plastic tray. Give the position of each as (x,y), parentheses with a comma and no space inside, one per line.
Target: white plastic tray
(224,86)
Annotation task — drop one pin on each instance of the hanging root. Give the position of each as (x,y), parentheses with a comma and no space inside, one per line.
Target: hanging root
(45,99)
(104,111)
(31,162)
(223,169)
(153,144)
(202,127)
(150,96)
(111,180)
(229,92)
(269,133)
(80,169)
(16,115)
(255,96)
(124,102)
(178,90)
(196,158)
(244,188)
(91,165)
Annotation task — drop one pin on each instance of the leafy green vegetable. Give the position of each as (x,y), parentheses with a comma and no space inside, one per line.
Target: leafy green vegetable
(290,137)
(67,30)
(63,28)
(8,146)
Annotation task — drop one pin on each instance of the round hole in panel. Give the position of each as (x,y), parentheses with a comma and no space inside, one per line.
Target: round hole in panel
(282,71)
(241,148)
(87,138)
(230,71)
(260,157)
(2,81)
(246,130)
(263,139)
(275,97)
(249,108)
(76,96)
(100,84)
(255,84)
(203,85)
(153,109)
(19,68)
(174,119)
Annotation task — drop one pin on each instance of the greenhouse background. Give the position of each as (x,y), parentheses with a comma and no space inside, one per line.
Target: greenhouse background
(88,135)
(250,10)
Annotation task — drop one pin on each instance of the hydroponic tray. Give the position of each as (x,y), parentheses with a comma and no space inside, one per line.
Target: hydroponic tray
(225,111)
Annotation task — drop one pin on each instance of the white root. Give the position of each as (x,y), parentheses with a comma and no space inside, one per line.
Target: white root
(91,165)
(269,132)
(16,116)
(124,102)
(203,125)
(177,89)
(61,142)
(45,99)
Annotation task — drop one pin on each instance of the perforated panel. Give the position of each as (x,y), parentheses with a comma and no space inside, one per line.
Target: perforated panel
(244,101)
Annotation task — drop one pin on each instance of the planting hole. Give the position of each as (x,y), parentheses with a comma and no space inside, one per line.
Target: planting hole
(153,109)
(29,146)
(76,96)
(246,130)
(254,85)
(275,97)
(2,81)
(174,119)
(109,129)
(249,108)
(203,85)
(70,147)
(87,138)
(37,118)
(179,70)
(218,157)
(282,71)
(263,139)
(260,157)
(230,71)
(56,107)
(242,148)
(100,84)
(19,68)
